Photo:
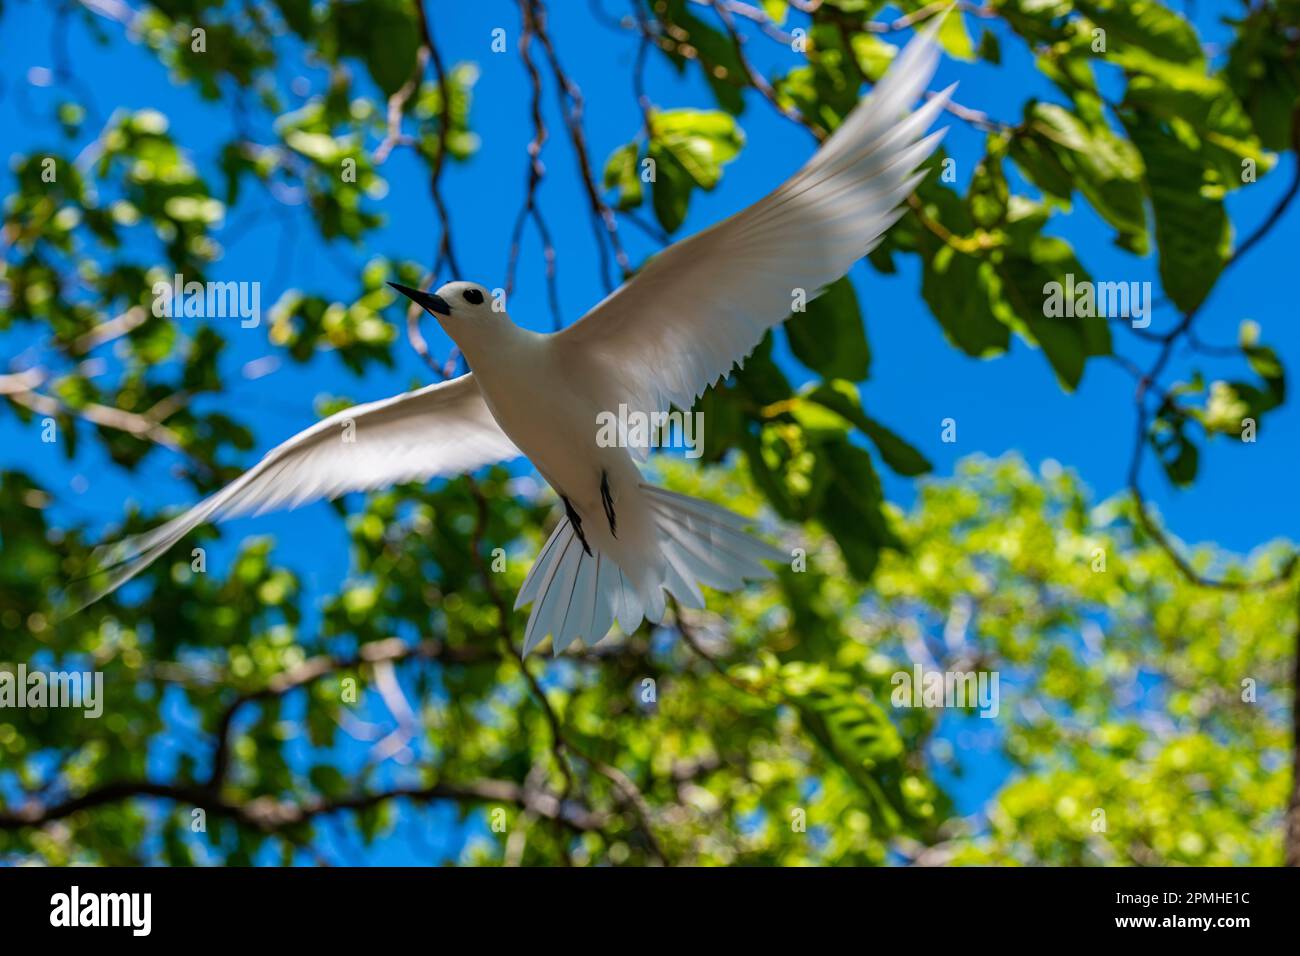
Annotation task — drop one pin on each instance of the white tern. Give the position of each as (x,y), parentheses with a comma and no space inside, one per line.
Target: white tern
(671,331)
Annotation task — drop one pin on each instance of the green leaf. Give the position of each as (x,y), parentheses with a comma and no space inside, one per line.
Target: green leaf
(723,410)
(381,33)
(1186,96)
(854,731)
(842,398)
(671,193)
(1025,275)
(1193,232)
(1106,168)
(828,336)
(872,55)
(954,38)
(818,422)
(1265,75)
(787,470)
(1266,364)
(318,146)
(989,195)
(328,780)
(1038,159)
(297,14)
(1179,457)
(956,287)
(760,377)
(897,453)
(1146,24)
(990,50)
(710,48)
(621,173)
(700,140)
(851,509)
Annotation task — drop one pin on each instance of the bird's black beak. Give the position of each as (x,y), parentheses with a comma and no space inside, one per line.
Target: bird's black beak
(425,300)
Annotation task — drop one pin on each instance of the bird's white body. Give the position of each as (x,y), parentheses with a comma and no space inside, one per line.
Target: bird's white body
(552,416)
(683,321)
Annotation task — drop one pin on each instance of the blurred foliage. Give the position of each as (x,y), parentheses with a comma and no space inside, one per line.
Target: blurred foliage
(1122,686)
(1121,691)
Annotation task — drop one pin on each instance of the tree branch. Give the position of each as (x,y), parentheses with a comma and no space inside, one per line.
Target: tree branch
(571,104)
(308,672)
(269,814)
(1150,381)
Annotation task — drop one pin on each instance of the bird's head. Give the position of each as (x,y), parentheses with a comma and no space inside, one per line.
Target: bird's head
(465,310)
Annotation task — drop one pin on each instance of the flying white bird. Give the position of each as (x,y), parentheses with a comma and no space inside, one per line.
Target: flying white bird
(664,337)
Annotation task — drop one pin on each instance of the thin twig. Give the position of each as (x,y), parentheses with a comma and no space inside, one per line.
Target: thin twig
(571,103)
(1149,383)
(536,171)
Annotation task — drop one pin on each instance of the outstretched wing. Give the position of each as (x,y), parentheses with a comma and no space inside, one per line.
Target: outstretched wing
(443,429)
(703,304)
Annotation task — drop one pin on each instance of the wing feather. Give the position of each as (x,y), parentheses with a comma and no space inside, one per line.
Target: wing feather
(443,429)
(699,307)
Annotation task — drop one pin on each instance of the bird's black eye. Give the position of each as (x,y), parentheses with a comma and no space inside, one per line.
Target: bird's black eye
(473,296)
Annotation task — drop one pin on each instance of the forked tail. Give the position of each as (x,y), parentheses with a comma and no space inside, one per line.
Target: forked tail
(579,595)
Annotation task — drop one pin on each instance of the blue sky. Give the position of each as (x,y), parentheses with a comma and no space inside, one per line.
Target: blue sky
(1244,494)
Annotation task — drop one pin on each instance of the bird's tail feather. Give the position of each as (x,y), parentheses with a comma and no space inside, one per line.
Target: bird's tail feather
(579,595)
(575,594)
(705,543)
